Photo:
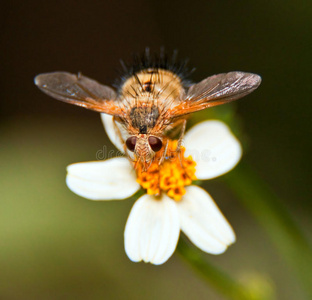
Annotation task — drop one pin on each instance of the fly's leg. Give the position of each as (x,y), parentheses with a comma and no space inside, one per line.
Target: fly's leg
(118,131)
(180,140)
(121,139)
(164,153)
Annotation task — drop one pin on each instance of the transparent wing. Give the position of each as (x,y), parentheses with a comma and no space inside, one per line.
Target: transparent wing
(216,90)
(79,90)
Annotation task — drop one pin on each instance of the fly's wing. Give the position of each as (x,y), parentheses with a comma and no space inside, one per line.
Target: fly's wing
(216,90)
(79,90)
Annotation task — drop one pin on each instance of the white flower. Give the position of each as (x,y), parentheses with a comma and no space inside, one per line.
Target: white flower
(154,224)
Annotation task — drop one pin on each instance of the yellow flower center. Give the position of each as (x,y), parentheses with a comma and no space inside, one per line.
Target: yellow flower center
(171,176)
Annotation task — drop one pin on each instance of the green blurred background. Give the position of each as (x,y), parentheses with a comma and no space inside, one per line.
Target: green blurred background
(56,245)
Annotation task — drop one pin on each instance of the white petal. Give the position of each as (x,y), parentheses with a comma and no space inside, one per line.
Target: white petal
(214,148)
(152,230)
(203,223)
(103,180)
(112,131)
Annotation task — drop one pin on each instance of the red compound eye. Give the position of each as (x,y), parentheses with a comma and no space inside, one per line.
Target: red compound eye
(130,143)
(155,143)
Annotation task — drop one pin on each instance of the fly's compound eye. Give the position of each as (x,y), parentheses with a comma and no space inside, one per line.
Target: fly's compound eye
(130,143)
(155,143)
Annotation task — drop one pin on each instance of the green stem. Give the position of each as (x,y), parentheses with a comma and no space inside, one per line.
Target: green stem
(267,208)
(221,281)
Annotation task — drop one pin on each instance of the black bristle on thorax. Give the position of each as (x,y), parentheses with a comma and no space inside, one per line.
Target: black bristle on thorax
(160,60)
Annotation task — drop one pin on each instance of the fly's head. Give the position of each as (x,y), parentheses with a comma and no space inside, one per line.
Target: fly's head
(144,146)
(145,139)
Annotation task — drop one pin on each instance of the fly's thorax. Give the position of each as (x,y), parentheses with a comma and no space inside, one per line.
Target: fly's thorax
(143,118)
(146,96)
(153,85)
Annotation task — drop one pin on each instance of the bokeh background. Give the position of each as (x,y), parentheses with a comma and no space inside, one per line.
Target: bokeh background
(56,245)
